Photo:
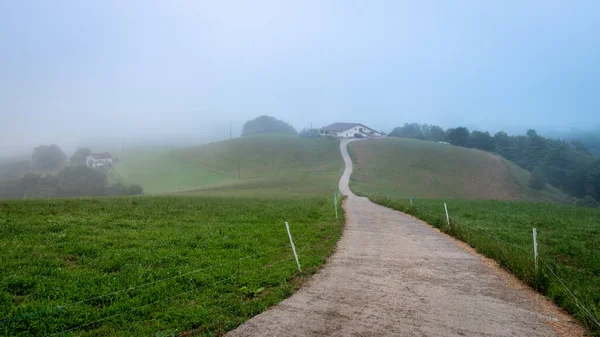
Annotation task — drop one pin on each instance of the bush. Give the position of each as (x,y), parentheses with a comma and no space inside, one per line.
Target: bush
(537,180)
(72,181)
(588,201)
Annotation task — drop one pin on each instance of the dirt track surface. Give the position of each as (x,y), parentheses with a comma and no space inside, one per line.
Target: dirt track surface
(392,275)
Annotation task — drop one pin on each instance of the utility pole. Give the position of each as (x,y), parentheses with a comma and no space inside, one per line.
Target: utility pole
(229,130)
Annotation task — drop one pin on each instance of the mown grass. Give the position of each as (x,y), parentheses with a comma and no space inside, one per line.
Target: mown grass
(281,165)
(153,266)
(568,243)
(160,171)
(409,167)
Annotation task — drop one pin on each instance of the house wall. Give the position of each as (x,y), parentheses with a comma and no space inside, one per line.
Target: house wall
(358,129)
(349,133)
(92,162)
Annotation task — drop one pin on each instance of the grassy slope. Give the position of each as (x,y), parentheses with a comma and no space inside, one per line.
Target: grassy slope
(272,165)
(61,251)
(568,235)
(407,167)
(159,171)
(201,263)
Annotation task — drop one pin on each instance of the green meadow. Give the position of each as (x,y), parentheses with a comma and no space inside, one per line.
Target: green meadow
(402,167)
(153,266)
(261,165)
(202,254)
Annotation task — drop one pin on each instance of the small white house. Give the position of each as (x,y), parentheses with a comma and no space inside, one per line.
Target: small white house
(349,130)
(99,159)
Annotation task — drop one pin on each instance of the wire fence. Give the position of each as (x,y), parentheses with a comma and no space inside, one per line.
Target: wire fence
(310,247)
(528,252)
(310,236)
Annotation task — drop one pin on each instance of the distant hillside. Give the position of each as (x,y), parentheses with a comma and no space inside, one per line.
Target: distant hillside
(590,138)
(403,167)
(267,164)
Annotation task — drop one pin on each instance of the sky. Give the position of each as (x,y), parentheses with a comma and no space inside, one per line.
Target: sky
(76,72)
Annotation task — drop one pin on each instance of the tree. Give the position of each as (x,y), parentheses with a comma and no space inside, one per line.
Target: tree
(592,184)
(504,146)
(458,136)
(437,133)
(79,157)
(481,140)
(81,180)
(309,133)
(580,147)
(537,180)
(409,130)
(48,157)
(534,150)
(267,124)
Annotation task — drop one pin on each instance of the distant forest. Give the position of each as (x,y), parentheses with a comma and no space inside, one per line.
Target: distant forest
(590,138)
(49,173)
(568,165)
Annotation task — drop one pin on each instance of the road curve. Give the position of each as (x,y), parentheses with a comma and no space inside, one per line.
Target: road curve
(392,275)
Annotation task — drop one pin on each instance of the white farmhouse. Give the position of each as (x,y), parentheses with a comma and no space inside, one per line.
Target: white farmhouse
(350,130)
(99,159)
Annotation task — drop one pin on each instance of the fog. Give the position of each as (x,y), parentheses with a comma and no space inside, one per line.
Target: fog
(114,73)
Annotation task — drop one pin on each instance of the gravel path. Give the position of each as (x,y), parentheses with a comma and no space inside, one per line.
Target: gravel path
(393,275)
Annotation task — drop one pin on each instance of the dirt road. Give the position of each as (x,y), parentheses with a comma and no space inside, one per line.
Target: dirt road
(392,275)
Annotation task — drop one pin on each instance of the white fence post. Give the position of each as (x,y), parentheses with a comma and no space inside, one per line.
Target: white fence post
(287,226)
(335,204)
(410,201)
(447,216)
(535,252)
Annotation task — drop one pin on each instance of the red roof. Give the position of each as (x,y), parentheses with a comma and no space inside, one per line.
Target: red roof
(103,155)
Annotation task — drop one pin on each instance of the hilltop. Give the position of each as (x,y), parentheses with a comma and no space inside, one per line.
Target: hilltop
(403,167)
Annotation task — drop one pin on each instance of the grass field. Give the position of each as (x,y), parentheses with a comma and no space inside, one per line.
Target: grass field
(153,266)
(159,171)
(568,238)
(404,167)
(392,170)
(279,165)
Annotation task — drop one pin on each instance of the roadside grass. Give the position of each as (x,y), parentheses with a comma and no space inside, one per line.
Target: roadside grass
(568,244)
(424,169)
(154,266)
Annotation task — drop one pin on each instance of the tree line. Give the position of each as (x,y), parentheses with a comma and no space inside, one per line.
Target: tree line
(72,178)
(569,166)
(590,138)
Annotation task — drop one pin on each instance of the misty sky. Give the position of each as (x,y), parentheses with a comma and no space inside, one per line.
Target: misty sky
(76,71)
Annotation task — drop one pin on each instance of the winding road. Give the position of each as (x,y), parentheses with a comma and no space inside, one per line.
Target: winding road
(393,275)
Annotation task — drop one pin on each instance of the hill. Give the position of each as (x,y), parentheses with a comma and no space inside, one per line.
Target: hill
(261,164)
(403,167)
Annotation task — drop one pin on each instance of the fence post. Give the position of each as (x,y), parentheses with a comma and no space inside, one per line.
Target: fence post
(410,201)
(287,226)
(447,216)
(335,204)
(535,252)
